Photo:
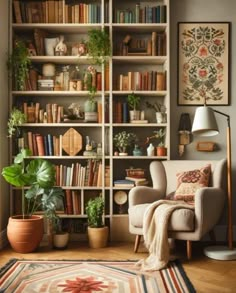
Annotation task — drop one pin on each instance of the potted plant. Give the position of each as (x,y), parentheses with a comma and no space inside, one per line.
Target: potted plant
(159,135)
(160,110)
(90,106)
(18,63)
(60,236)
(134,102)
(38,176)
(123,140)
(98,46)
(97,231)
(17,118)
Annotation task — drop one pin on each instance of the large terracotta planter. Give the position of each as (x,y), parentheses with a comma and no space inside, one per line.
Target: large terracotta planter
(98,237)
(25,235)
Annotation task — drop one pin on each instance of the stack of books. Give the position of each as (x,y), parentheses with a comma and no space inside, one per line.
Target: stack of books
(137,181)
(45,84)
(124,183)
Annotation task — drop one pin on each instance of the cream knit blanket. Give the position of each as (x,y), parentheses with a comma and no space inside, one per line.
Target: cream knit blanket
(155,233)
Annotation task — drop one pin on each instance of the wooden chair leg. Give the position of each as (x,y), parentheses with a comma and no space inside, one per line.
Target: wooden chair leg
(137,241)
(189,249)
(212,235)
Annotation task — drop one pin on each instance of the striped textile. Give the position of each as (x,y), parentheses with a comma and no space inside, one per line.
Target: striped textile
(44,276)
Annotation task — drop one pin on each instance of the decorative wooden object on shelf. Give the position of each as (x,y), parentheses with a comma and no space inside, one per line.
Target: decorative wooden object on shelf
(72,142)
(206,146)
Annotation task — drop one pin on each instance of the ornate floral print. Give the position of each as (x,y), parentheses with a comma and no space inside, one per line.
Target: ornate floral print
(203,50)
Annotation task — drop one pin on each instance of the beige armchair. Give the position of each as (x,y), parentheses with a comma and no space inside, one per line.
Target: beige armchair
(184,224)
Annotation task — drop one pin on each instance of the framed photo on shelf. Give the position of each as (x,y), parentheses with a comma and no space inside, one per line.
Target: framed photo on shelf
(203,63)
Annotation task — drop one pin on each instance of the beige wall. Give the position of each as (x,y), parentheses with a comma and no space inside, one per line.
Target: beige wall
(4,193)
(204,10)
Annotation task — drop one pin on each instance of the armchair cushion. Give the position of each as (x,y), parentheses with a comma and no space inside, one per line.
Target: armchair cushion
(188,182)
(181,219)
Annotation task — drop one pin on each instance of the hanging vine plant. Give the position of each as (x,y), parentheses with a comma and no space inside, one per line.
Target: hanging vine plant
(18,63)
(99,46)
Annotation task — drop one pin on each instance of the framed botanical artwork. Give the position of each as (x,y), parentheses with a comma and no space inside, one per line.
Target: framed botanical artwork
(203,63)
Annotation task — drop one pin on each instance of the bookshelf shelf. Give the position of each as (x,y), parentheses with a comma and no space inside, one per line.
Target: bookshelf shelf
(62,59)
(65,124)
(159,60)
(147,52)
(56,27)
(54,93)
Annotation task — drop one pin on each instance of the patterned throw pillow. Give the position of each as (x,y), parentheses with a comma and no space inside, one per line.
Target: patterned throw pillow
(189,182)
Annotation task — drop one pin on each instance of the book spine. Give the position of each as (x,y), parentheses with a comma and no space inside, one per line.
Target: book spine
(40,145)
(69,204)
(50,145)
(125,112)
(46,150)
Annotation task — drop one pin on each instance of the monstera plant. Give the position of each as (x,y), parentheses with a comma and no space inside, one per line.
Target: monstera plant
(36,179)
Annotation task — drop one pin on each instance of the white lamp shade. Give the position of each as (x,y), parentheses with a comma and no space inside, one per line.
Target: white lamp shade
(204,123)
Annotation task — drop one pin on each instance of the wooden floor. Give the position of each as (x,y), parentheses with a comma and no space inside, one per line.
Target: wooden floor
(207,275)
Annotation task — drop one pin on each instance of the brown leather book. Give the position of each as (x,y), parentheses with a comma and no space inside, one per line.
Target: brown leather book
(69,204)
(40,145)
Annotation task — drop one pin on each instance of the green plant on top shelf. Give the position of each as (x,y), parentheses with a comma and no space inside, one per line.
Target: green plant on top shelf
(98,46)
(18,63)
(17,118)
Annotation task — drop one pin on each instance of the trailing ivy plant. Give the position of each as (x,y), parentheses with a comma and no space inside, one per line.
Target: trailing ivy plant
(99,45)
(17,118)
(18,63)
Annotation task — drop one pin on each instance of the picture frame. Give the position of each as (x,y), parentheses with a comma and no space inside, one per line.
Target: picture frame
(203,63)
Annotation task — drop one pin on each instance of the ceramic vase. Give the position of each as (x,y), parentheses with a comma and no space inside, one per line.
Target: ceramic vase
(150,150)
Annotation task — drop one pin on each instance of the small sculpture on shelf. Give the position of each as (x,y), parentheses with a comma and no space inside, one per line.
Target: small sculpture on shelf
(74,112)
(61,48)
(90,147)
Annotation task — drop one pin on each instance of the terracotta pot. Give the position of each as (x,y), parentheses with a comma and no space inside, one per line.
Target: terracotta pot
(26,234)
(61,240)
(161,151)
(98,237)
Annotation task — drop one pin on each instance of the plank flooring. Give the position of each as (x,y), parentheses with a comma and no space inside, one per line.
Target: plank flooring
(207,275)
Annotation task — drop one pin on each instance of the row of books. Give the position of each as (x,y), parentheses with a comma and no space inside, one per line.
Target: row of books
(47,11)
(120,112)
(142,81)
(153,46)
(78,175)
(144,14)
(82,13)
(51,11)
(53,113)
(72,202)
(41,145)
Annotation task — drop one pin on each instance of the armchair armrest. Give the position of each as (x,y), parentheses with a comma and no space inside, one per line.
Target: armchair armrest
(144,194)
(209,204)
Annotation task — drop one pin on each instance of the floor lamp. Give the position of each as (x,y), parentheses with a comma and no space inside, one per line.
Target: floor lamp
(204,124)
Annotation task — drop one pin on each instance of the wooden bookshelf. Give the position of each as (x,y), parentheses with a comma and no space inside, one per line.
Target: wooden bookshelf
(147,24)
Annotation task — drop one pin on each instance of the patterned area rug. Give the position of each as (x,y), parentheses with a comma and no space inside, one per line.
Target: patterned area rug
(31,276)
